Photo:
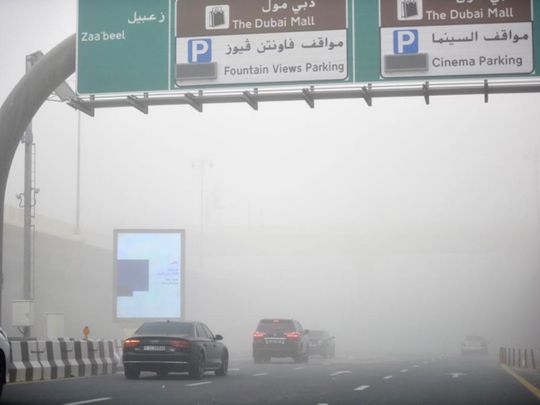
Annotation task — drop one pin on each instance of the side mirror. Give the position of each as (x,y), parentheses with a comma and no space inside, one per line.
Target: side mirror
(218,337)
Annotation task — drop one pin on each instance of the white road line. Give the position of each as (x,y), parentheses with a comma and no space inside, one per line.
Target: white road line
(362,388)
(197,384)
(300,368)
(404,370)
(416,366)
(234,369)
(388,377)
(259,374)
(336,373)
(89,401)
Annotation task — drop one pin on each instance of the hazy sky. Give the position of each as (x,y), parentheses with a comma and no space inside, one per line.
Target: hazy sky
(442,199)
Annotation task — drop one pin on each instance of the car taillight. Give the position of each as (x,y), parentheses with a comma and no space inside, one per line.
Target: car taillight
(179,344)
(131,343)
(258,335)
(292,336)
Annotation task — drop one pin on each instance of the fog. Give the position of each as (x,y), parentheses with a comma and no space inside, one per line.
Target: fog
(400,228)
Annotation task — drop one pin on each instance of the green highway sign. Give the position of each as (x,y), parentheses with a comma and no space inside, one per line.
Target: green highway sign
(123,45)
(165,45)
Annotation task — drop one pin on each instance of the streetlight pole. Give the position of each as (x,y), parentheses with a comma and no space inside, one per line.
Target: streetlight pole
(202,162)
(28,199)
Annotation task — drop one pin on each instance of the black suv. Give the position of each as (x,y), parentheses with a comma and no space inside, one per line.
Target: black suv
(280,338)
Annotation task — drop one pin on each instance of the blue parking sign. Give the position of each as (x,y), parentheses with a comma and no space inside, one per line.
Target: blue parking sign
(406,42)
(200,50)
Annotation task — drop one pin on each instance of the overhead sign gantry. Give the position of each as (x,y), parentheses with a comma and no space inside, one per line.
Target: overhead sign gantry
(129,46)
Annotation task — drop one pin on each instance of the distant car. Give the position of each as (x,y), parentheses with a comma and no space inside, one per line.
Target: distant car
(174,346)
(474,345)
(5,354)
(321,343)
(280,338)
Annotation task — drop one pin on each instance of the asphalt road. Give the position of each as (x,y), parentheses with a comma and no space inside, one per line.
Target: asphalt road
(442,380)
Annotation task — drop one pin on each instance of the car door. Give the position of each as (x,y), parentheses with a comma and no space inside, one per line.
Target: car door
(215,346)
(208,343)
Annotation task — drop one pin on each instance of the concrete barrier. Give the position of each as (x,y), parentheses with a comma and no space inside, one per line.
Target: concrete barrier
(25,364)
(118,352)
(62,358)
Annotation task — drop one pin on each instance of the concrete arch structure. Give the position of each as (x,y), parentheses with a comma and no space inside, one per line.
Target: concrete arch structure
(20,107)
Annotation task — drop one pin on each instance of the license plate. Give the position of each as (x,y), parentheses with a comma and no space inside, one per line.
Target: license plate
(154,348)
(275,341)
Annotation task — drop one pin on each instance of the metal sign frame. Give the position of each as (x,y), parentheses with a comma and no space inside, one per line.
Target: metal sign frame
(310,95)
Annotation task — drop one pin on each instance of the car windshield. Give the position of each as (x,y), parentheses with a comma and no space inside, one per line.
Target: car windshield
(276,325)
(166,328)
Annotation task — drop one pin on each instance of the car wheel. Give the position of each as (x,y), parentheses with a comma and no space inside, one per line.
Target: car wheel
(298,358)
(197,367)
(162,374)
(132,373)
(222,370)
(257,358)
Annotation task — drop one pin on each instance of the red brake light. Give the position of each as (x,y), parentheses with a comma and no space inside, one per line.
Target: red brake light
(292,335)
(179,344)
(131,343)
(258,335)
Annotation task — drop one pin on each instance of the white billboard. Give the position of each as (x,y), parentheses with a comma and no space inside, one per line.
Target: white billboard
(149,274)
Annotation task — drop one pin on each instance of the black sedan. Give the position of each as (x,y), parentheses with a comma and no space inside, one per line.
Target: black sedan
(322,343)
(174,346)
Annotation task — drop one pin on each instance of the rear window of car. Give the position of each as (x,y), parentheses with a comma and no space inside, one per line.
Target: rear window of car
(166,328)
(318,334)
(276,325)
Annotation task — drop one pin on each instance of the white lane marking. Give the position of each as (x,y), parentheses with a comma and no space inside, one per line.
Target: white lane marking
(300,368)
(362,388)
(89,401)
(259,374)
(234,369)
(416,366)
(336,373)
(404,370)
(456,375)
(388,377)
(197,384)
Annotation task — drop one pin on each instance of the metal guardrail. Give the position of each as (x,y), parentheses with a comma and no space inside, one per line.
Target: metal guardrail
(518,358)
(310,95)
